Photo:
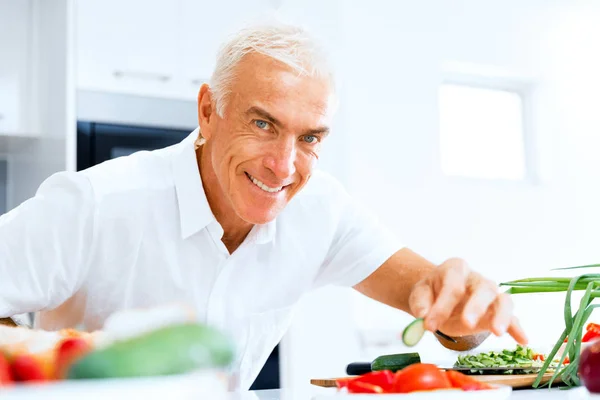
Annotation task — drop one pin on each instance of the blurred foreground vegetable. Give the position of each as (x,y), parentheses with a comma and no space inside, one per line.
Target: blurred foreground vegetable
(170,350)
(6,377)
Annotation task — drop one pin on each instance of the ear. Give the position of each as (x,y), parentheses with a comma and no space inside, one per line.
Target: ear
(206,111)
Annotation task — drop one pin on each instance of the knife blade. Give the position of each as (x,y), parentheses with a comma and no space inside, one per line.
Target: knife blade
(360,368)
(492,370)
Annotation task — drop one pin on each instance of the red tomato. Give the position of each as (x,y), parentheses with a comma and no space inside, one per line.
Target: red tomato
(355,386)
(6,377)
(68,351)
(420,377)
(26,367)
(465,382)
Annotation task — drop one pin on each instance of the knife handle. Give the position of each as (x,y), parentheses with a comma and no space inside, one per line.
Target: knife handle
(358,368)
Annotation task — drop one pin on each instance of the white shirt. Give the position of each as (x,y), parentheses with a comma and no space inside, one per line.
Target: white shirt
(137,231)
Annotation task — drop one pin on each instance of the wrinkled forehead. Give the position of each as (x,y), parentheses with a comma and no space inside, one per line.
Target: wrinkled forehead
(271,83)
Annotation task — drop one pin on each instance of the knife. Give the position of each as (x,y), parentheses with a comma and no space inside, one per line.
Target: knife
(360,368)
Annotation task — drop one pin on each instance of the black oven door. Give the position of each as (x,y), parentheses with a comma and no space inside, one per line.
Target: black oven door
(98,142)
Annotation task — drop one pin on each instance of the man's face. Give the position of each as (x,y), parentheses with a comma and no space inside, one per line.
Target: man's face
(264,148)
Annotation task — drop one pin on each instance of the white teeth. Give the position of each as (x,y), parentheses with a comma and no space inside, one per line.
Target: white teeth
(263,186)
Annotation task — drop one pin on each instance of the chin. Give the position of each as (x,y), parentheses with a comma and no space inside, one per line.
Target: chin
(259,217)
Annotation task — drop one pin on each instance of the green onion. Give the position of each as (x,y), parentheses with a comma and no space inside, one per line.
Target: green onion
(574,322)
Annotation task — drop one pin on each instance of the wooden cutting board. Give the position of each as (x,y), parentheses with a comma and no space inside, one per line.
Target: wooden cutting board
(516,381)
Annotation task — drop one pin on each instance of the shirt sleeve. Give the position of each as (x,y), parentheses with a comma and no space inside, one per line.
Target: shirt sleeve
(361,244)
(44,245)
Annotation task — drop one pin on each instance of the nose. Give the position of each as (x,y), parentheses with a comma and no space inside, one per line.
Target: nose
(281,159)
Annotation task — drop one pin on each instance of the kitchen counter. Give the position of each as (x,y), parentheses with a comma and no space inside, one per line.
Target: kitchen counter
(118,391)
(545,394)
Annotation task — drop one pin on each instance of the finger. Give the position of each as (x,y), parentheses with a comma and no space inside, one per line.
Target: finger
(501,314)
(516,331)
(420,299)
(453,287)
(478,303)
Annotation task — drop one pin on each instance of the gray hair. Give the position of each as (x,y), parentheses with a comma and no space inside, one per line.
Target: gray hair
(289,44)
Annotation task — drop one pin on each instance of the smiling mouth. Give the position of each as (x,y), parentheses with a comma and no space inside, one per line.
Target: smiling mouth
(262,186)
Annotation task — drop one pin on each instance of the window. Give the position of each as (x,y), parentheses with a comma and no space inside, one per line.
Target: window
(481,132)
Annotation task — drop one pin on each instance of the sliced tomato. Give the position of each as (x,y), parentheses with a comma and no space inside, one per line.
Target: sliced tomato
(420,376)
(355,386)
(465,382)
(539,357)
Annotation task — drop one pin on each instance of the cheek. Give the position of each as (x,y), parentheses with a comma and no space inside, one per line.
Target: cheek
(305,164)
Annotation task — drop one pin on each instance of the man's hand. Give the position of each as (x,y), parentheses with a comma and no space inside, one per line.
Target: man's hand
(451,297)
(459,302)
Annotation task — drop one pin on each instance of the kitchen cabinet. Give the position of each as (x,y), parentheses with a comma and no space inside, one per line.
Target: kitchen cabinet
(205,27)
(17,115)
(167,48)
(157,48)
(128,46)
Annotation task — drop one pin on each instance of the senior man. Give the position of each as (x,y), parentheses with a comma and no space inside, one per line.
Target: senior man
(234,220)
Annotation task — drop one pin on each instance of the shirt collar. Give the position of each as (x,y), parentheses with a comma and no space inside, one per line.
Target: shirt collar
(194,211)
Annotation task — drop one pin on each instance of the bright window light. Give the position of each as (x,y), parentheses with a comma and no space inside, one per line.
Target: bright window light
(481,132)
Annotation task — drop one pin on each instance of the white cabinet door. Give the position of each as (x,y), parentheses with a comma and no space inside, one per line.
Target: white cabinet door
(15,28)
(206,24)
(128,46)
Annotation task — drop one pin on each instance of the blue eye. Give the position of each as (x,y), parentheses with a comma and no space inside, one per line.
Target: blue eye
(261,124)
(310,138)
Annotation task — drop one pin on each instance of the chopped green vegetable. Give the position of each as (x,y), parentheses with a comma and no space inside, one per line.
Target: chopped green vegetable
(521,357)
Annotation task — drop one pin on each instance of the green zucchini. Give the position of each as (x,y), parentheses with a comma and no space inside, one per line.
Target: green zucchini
(170,350)
(413,333)
(395,362)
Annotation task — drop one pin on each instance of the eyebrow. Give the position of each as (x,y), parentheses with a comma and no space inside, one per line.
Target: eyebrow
(322,130)
(263,114)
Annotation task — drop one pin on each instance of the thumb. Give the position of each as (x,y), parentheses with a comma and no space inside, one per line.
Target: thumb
(420,299)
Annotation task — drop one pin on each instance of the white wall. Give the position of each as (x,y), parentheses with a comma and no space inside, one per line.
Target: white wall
(395,56)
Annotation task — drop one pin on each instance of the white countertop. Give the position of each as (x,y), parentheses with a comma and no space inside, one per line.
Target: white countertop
(555,394)
(152,389)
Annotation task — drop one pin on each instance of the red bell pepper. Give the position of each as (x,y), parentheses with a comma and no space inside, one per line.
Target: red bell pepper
(465,382)
(356,386)
(589,336)
(383,379)
(593,327)
(341,383)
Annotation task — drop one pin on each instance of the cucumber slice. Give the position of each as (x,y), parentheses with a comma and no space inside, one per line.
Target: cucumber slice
(413,332)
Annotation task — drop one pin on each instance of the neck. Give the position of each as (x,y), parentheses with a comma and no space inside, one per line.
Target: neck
(235,229)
